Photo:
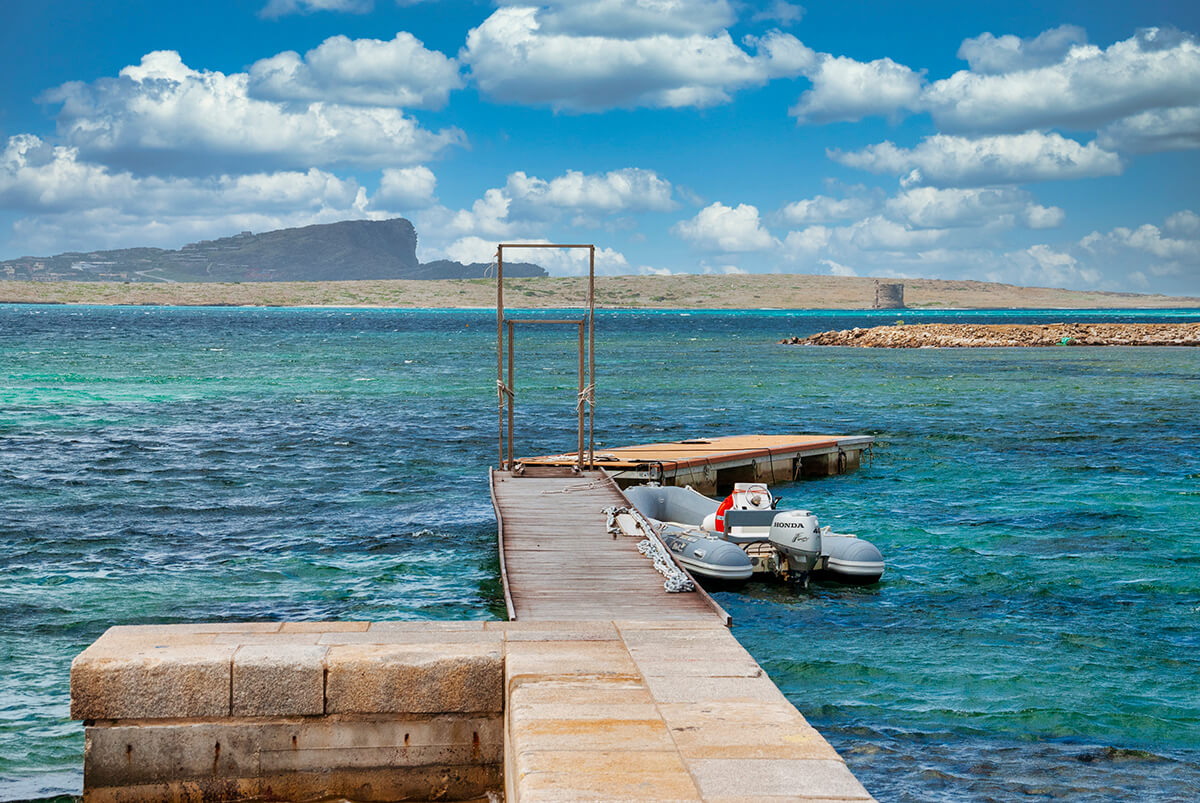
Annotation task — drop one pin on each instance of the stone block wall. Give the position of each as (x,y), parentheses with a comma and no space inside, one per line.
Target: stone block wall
(292,711)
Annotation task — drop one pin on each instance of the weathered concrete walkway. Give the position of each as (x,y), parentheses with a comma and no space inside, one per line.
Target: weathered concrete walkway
(603,710)
(654,710)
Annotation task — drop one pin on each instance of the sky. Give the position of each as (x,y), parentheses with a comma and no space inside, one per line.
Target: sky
(1038,143)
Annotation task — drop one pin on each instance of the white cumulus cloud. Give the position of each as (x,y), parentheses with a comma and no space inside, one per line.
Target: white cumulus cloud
(1174,246)
(629,189)
(991,55)
(528,208)
(281,8)
(1042,266)
(780,11)
(405,188)
(805,243)
(35,177)
(1185,224)
(468,250)
(557,262)
(726,228)
(824,209)
(847,90)
(1088,87)
(515,59)
(163,114)
(366,72)
(943,160)
(635,18)
(1175,129)
(838,269)
(931,207)
(877,233)
(73,204)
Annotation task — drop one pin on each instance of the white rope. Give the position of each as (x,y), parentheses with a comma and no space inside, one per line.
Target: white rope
(676,579)
(586,486)
(611,526)
(586,396)
(503,390)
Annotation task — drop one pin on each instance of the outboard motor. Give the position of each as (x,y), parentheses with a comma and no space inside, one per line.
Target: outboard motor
(796,534)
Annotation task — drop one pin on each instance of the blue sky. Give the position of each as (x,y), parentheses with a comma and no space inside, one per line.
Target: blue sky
(1051,144)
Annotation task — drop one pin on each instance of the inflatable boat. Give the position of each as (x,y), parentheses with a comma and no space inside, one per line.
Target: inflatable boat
(785,543)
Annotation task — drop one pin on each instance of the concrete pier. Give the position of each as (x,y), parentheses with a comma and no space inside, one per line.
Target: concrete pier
(548,711)
(603,686)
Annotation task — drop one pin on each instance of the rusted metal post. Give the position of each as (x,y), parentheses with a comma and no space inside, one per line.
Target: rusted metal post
(591,326)
(501,395)
(512,385)
(582,400)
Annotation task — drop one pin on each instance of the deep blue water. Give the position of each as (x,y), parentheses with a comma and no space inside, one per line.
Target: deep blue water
(1036,634)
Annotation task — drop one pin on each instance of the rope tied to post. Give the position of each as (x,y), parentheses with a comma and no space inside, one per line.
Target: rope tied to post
(567,489)
(503,390)
(586,396)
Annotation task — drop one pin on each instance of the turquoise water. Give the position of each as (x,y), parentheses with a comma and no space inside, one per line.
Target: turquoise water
(1035,635)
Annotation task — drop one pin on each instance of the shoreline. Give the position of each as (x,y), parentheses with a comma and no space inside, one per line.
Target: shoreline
(863,311)
(767,292)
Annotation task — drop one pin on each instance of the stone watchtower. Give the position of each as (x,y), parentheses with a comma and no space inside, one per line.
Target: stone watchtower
(889,295)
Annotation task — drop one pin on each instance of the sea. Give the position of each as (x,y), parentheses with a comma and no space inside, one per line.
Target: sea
(1036,635)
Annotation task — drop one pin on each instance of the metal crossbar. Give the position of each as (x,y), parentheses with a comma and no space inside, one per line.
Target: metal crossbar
(585,398)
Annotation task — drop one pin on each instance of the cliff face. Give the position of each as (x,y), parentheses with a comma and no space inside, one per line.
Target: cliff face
(350,249)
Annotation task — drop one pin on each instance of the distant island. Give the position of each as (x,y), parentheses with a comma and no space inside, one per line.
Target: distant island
(681,291)
(347,250)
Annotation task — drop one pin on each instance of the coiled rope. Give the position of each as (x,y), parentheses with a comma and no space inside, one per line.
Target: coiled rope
(676,579)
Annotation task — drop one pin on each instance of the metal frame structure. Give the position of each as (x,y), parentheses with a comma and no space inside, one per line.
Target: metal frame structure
(587,360)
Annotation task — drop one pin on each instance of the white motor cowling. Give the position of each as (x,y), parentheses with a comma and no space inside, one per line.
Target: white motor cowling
(797,535)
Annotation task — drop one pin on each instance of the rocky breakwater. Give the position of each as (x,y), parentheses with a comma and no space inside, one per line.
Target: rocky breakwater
(965,335)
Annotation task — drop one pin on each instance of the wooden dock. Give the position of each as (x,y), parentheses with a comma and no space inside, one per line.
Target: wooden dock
(558,561)
(619,690)
(713,465)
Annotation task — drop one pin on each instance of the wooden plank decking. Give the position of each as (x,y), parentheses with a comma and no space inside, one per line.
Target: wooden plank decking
(559,562)
(712,465)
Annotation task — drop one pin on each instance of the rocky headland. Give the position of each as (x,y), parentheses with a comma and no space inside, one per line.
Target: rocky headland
(966,335)
(349,250)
